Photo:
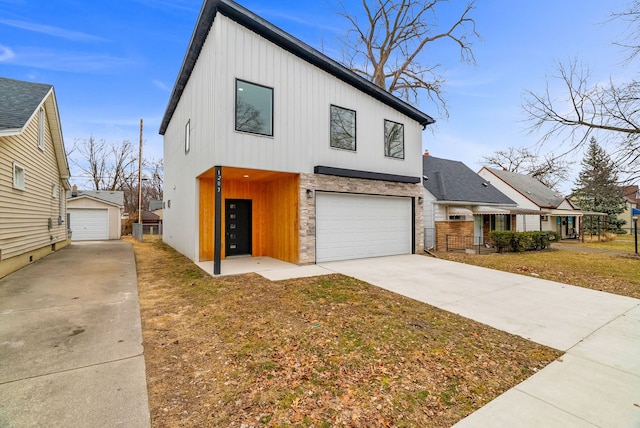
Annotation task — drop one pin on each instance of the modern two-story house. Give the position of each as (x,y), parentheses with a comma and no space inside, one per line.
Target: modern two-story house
(34,174)
(273,149)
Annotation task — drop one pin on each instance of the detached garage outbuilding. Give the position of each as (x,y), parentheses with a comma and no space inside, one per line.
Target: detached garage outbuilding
(95,215)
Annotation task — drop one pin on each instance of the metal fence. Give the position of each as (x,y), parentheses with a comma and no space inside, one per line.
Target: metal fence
(469,244)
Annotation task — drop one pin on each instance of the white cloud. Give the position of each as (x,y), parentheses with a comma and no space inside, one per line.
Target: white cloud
(52,31)
(68,61)
(6,53)
(160,85)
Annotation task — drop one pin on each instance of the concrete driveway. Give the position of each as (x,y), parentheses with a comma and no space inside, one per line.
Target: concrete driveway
(71,341)
(595,384)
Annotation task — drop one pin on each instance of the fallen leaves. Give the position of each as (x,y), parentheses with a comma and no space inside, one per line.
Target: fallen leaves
(324,351)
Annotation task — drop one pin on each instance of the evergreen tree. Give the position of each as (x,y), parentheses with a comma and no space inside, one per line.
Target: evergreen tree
(597,188)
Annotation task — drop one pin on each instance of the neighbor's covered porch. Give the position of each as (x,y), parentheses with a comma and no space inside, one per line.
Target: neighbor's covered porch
(248,212)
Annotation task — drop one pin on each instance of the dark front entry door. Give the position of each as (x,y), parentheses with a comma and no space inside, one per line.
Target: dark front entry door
(238,227)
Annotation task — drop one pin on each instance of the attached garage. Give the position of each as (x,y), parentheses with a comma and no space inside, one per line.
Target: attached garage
(89,224)
(95,215)
(351,226)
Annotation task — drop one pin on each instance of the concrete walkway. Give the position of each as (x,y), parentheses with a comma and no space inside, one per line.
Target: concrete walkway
(595,384)
(71,341)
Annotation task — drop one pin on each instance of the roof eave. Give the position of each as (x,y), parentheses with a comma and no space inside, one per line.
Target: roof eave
(272,33)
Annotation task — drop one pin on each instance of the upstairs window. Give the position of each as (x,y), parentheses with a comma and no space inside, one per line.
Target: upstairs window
(41,128)
(187,137)
(254,108)
(18,177)
(342,128)
(393,139)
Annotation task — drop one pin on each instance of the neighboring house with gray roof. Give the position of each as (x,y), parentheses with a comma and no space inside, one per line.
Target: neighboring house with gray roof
(273,149)
(459,203)
(34,174)
(95,215)
(553,211)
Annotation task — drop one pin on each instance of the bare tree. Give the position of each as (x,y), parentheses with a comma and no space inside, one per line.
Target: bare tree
(389,46)
(610,109)
(547,169)
(105,166)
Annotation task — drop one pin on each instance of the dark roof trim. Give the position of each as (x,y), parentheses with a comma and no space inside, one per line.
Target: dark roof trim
(287,42)
(367,175)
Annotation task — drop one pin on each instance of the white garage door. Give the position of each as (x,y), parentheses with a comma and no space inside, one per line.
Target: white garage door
(89,224)
(352,226)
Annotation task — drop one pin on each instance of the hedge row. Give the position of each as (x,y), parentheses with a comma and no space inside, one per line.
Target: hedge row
(522,241)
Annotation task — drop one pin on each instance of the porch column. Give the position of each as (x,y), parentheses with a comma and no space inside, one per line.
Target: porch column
(217,236)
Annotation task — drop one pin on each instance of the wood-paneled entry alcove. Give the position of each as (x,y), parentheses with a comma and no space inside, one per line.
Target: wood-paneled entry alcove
(275,210)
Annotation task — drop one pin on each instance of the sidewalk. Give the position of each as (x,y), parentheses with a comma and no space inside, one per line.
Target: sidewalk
(71,341)
(595,384)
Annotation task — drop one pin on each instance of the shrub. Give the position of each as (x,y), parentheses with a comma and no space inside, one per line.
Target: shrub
(502,239)
(522,241)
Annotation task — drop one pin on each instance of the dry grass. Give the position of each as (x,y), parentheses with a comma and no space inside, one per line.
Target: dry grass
(323,351)
(613,273)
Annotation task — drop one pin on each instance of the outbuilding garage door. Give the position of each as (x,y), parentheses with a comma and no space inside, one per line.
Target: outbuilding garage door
(89,224)
(352,226)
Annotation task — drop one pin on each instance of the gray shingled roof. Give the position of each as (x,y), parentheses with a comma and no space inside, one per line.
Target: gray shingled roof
(112,196)
(18,101)
(253,22)
(449,180)
(540,194)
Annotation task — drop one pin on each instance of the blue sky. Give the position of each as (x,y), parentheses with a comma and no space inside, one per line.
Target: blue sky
(114,62)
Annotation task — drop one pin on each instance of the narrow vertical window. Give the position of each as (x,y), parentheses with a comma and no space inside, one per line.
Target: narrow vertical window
(342,132)
(62,202)
(41,128)
(18,177)
(393,139)
(254,108)
(187,136)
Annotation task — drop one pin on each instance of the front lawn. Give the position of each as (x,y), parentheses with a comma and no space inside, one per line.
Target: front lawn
(324,351)
(613,273)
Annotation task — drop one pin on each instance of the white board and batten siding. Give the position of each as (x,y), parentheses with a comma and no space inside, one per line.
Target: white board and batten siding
(351,226)
(25,214)
(302,96)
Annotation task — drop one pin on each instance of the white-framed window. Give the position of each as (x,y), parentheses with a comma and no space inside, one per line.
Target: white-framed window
(187,137)
(342,128)
(393,139)
(61,211)
(18,176)
(456,217)
(254,108)
(544,218)
(41,128)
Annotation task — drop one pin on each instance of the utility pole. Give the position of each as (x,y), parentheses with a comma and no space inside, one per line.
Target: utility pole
(140,179)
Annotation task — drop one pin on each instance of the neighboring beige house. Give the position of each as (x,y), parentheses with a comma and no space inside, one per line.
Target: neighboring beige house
(34,174)
(273,149)
(95,215)
(550,211)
